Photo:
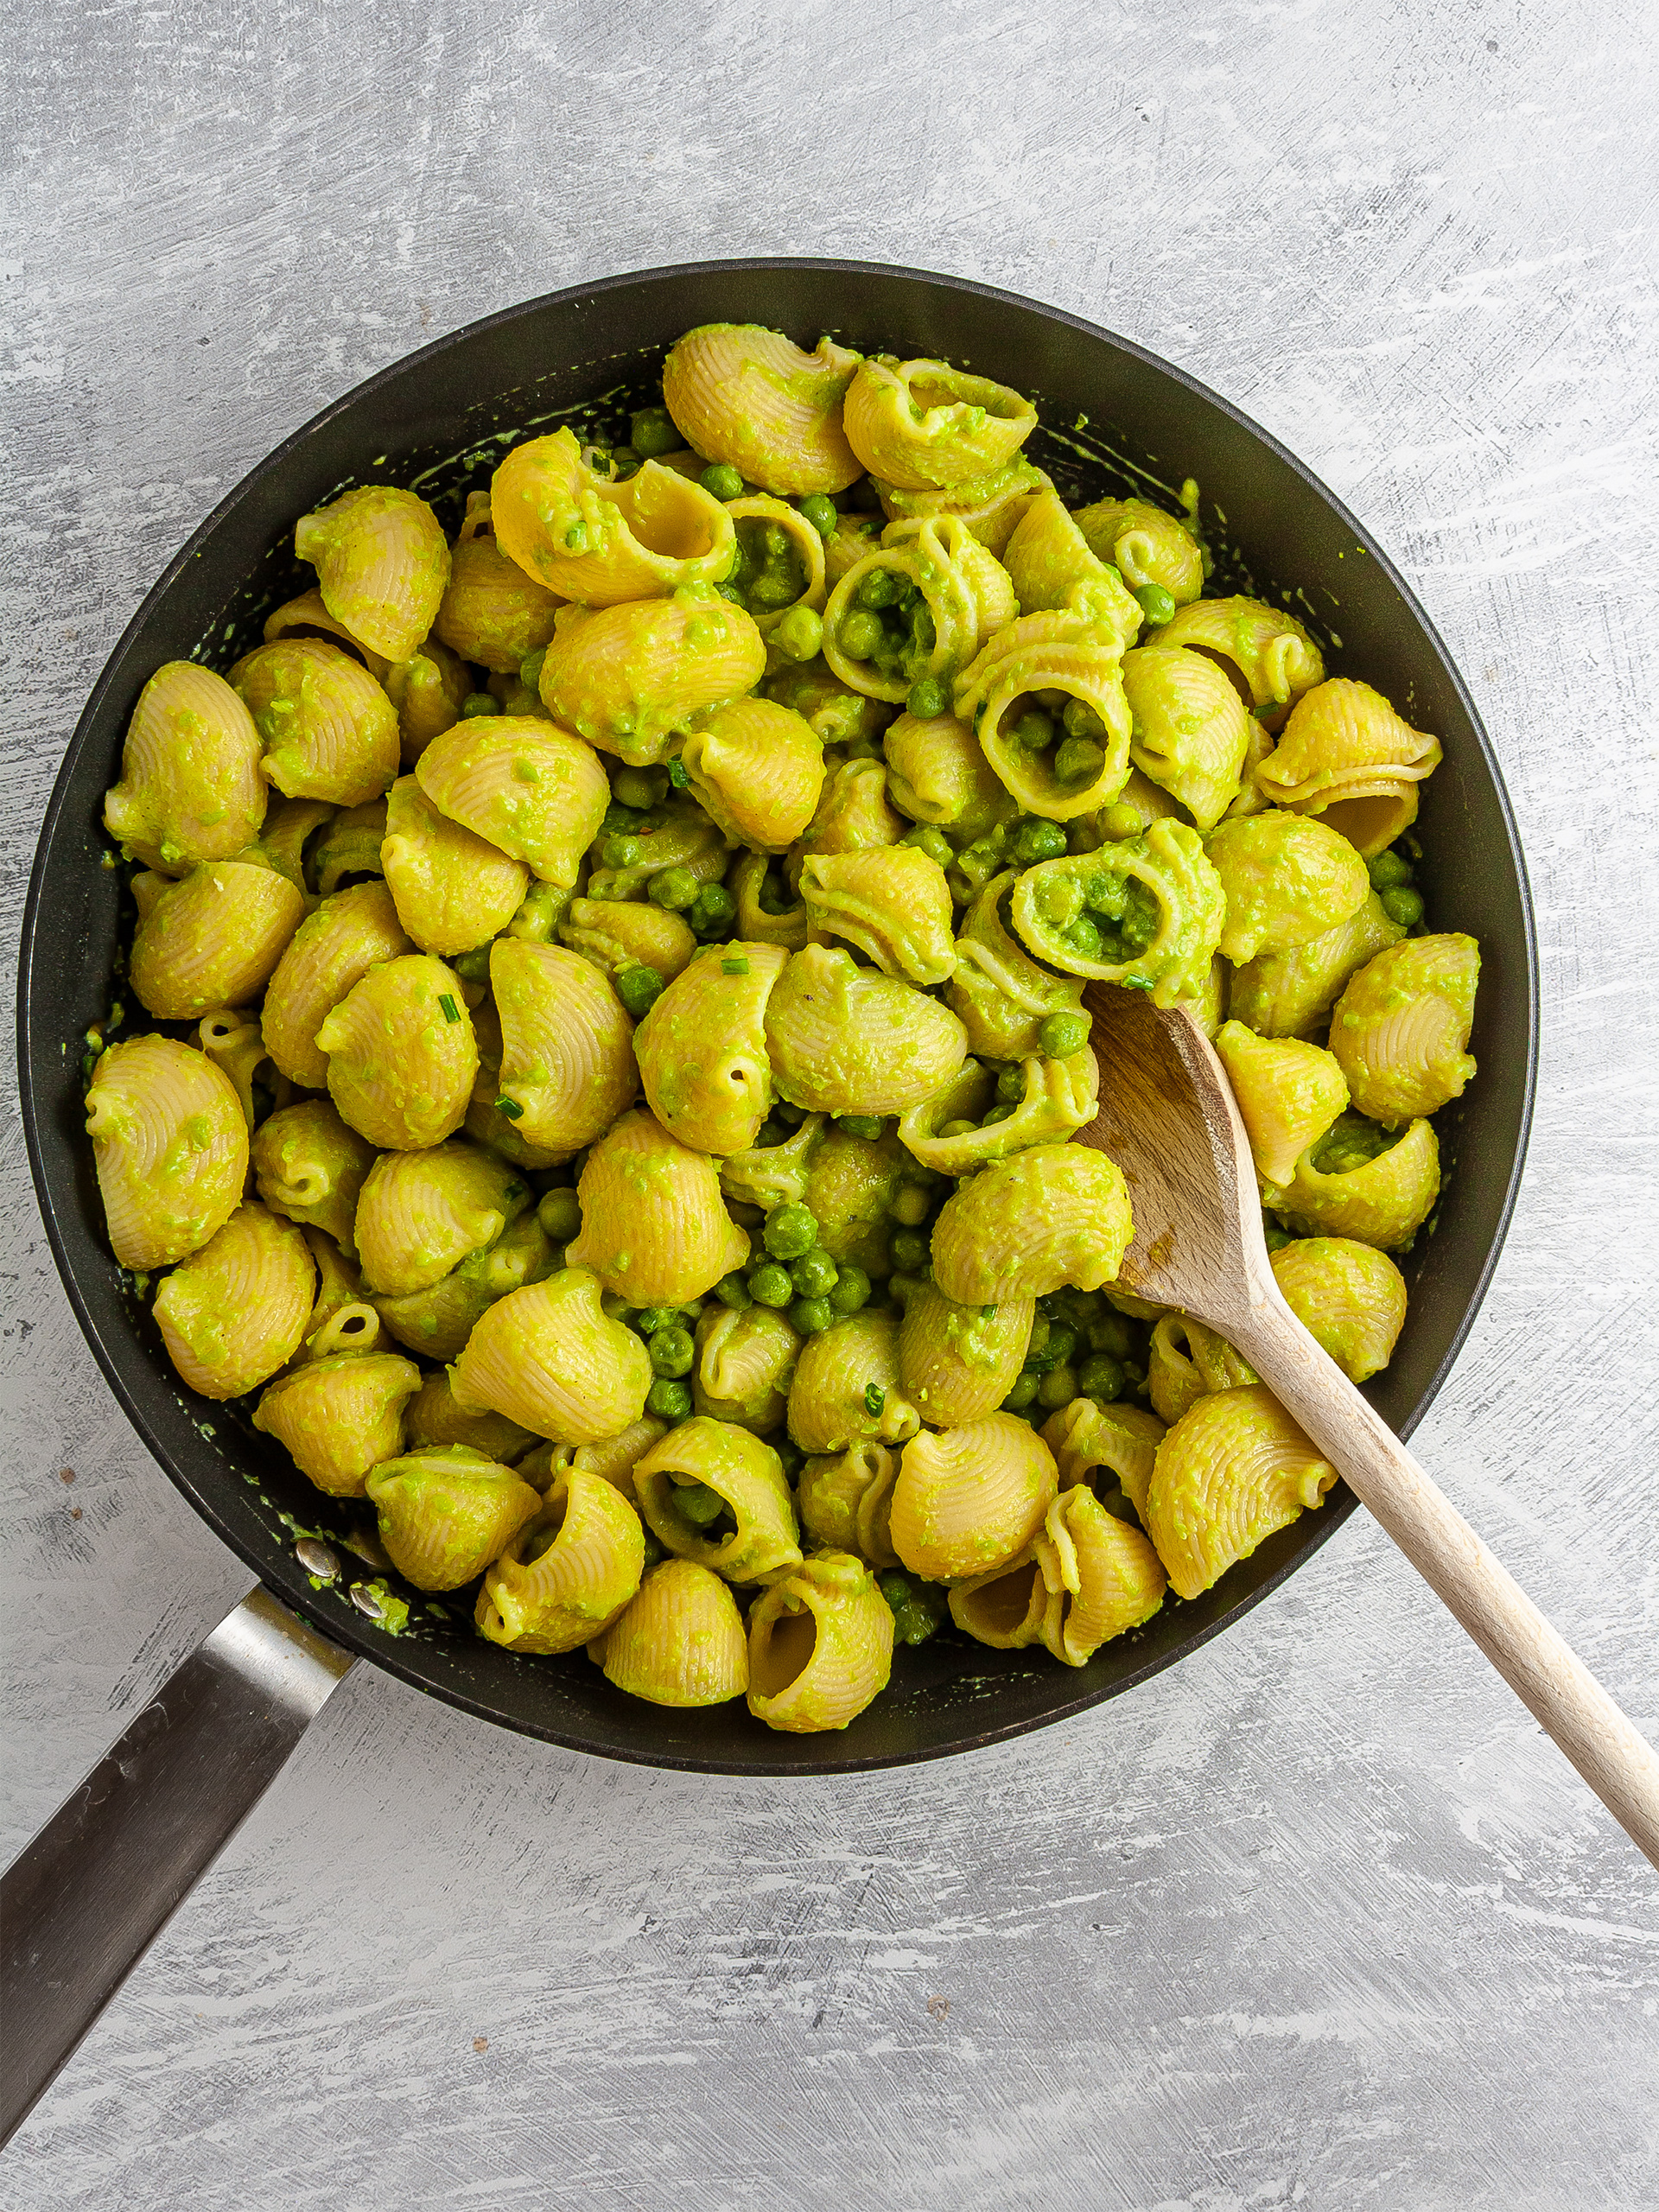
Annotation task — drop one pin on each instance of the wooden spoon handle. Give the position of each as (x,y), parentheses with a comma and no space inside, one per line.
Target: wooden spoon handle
(1620,1764)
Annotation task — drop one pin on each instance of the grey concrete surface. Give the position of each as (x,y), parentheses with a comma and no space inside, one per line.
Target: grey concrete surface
(1319,1920)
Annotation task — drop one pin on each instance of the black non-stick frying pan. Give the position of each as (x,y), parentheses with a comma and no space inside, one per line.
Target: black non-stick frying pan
(1113,419)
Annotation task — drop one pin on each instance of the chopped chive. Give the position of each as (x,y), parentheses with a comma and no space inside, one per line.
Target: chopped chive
(875,1399)
(676,775)
(511,1107)
(451,1011)
(738,967)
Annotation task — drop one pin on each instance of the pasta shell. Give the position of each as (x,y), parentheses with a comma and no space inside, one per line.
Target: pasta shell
(1288,1094)
(1060,1096)
(919,424)
(895,905)
(612,1459)
(329,730)
(1285,879)
(427,692)
(493,612)
(309,1167)
(1346,756)
(1145,545)
(757,770)
(307,617)
(680,1641)
(843,1040)
(970,1500)
(1051,564)
(1056,1214)
(1230,1472)
(330,952)
(601,542)
(751,397)
(382,564)
(526,787)
(433,1417)
(615,935)
(853,813)
(1122,1438)
(1189,732)
(763,915)
(630,677)
(1270,656)
(1350,1298)
(214,938)
(170,1143)
(832,710)
(1185,1361)
(846,1499)
(776,1174)
(654,1228)
(745,1362)
(445,1514)
(761,1535)
(549,1357)
(567,1056)
(437,1322)
(1401,1030)
(1381,1198)
(288,828)
(702,1048)
(453,889)
(1000,994)
(339,1416)
(921,604)
(1100,1577)
(958,1363)
(1005,1608)
(190,788)
(850,1184)
(1145,912)
(421,1213)
(1063,654)
(233,1312)
(400,1054)
(350,845)
(820,1645)
(1289,993)
(991,504)
(938,772)
(341,1320)
(848,1389)
(565,1578)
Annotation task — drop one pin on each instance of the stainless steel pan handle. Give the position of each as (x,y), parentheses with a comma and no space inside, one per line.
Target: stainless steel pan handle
(80,1905)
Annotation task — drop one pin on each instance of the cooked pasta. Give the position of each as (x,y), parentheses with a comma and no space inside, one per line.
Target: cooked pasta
(631,921)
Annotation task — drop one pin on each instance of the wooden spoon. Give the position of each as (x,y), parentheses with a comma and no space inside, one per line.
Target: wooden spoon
(1168,1118)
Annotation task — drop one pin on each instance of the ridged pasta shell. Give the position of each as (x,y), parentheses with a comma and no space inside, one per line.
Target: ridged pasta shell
(307,617)
(233,1312)
(751,397)
(1144,544)
(437,1322)
(757,770)
(1064,652)
(680,1641)
(492,613)
(1288,1094)
(564,1579)
(567,1051)
(1230,1472)
(742,1471)
(612,1459)
(548,1358)
(382,562)
(339,1416)
(1401,1030)
(1190,732)
(427,692)
(309,1167)
(329,730)
(630,678)
(1101,1578)
(832,710)
(191,788)
(615,934)
(1285,879)
(776,1174)
(433,1417)
(1290,993)
(1051,564)
(702,1048)
(1269,653)
(401,1056)
(421,1213)
(938,772)
(744,1365)
(769,923)
(654,1227)
(854,812)
(1346,755)
(1350,1297)
(681,835)
(991,504)
(1384,1201)
(1060,1096)
(1000,994)
(820,1645)
(1155,903)
(446,1513)
(452,888)
(971,1499)
(1005,1609)
(845,1499)
(1122,1438)
(289,827)
(920,423)
(601,542)
(524,786)
(1055,1214)
(171,1147)
(350,845)
(950,597)
(850,1184)
(957,1363)
(330,953)
(212,938)
(843,1040)
(894,905)
(848,1387)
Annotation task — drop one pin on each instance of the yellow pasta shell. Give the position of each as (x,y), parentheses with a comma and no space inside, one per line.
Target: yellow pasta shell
(233,1312)
(1346,756)
(191,788)
(1189,732)
(382,564)
(919,424)
(742,1471)
(957,1363)
(309,1167)
(1055,1214)
(171,1147)
(421,1213)
(523,785)
(1230,1472)
(969,1500)
(1350,1297)
(654,1227)
(339,1416)
(427,692)
(1288,1093)
(1122,1438)
(745,1362)
(1051,564)
(894,905)
(438,1321)
(820,1645)
(452,888)
(855,812)
(446,1513)
(329,730)
(1069,653)
(964,589)
(702,1048)
(1145,545)
(616,934)
(564,1578)
(567,1054)
(991,504)
(1268,652)
(492,613)
(601,542)
(999,991)
(850,1183)
(401,1052)
(843,1040)
(433,1417)
(1059,1097)
(1286,880)
(680,1641)
(1100,1577)
(307,617)
(630,677)
(749,396)
(327,956)
(757,770)
(548,1358)
(848,1387)
(1384,1201)
(938,772)
(1401,1030)
(1289,993)
(212,938)
(845,1498)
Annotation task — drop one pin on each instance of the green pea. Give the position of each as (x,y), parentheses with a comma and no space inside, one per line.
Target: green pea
(1078,760)
(1011,1084)
(637,789)
(770,1133)
(1112,1332)
(1084,939)
(732,1290)
(653,1551)
(772,587)
(1387,869)
(721,482)
(1156,604)
(799,634)
(698,1503)
(1061,1343)
(927,698)
(815,1273)
(1062,1034)
(895,1589)
(1276,1238)
(914,1623)
(1081,721)
(1402,905)
(477,703)
(620,852)
(652,434)
(992,1115)
(1058,1387)
(671,1351)
(638,989)
(934,842)
(473,967)
(1035,730)
(859,1125)
(910,1205)
(1101,1376)
(792,1460)
(618,820)
(1038,841)
(712,911)
(625,463)
(852,1289)
(861,634)
(1025,1389)
(790,1231)
(819,509)
(675,888)
(880,589)
(810,1316)
(560,1215)
(668,1400)
(530,668)
(909,1251)
(770,1285)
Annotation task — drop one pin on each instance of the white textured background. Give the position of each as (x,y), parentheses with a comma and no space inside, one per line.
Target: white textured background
(1320,1919)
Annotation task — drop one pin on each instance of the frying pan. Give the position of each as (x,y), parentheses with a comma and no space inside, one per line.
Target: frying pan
(87,1896)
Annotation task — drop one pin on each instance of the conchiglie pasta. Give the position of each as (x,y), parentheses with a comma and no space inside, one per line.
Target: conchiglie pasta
(1051,564)
(289,829)
(991,504)
(566,1577)
(999,991)
(382,562)
(1059,1097)
(1350,1297)
(427,692)
(1289,993)
(337,1417)
(433,1417)
(1056,1214)
(848,1388)
(191,788)
(453,889)
(307,617)
(843,1040)
(1145,912)
(757,770)
(400,1054)
(749,396)
(1268,653)
(601,542)
(845,1499)
(547,1357)
(1345,755)
(1230,1472)
(895,905)
(233,1312)
(820,1645)
(1122,1438)
(629,678)
(615,936)
(1286,880)
(850,1182)
(1145,545)
(1401,1030)
(744,1365)
(654,1228)
(1357,1183)
(754,1534)
(492,613)
(329,730)
(212,938)
(702,1048)
(1288,1094)
(446,1513)
(567,1059)
(970,1499)
(680,1641)
(1185,1361)
(921,605)
(350,845)
(438,1321)
(938,772)
(919,424)
(341,1320)
(170,1143)
(421,1213)
(328,955)
(1065,657)
(309,1167)
(1190,733)
(853,813)
(958,1363)
(526,787)
(780,565)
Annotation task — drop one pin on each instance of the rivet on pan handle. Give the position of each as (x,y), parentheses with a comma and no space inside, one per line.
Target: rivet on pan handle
(82,1903)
